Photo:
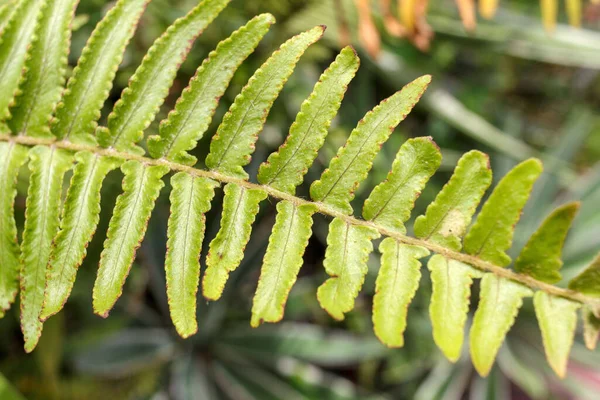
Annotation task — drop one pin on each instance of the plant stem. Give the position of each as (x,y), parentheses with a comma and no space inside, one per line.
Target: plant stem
(322,209)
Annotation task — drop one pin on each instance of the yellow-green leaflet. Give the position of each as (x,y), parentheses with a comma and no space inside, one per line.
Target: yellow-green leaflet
(226,250)
(282,261)
(12,157)
(44,71)
(353,162)
(48,166)
(6,11)
(591,327)
(348,249)
(141,186)
(447,218)
(232,146)
(541,256)
(396,286)
(499,303)
(557,318)
(91,81)
(588,281)
(451,292)
(491,234)
(149,85)
(285,169)
(15,40)
(391,202)
(193,112)
(190,199)
(80,217)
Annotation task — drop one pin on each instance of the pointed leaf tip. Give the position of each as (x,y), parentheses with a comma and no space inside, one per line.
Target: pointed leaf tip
(541,256)
(447,218)
(500,300)
(353,162)
(588,281)
(285,169)
(557,318)
(492,233)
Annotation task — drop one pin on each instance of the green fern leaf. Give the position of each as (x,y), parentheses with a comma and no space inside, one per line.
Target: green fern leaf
(13,156)
(348,249)
(6,12)
(80,217)
(588,281)
(285,169)
(190,199)
(447,218)
(354,161)
(500,300)
(491,234)
(141,186)
(230,151)
(591,328)
(90,84)
(232,146)
(14,42)
(44,76)
(150,83)
(451,292)
(48,166)
(198,102)
(541,256)
(226,250)
(282,261)
(395,288)
(557,318)
(391,202)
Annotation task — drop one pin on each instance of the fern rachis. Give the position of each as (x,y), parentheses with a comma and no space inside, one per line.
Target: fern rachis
(53,244)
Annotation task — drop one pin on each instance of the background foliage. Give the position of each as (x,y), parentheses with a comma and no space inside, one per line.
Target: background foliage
(507,88)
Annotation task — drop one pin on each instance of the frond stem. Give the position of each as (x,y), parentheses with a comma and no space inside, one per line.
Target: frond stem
(322,209)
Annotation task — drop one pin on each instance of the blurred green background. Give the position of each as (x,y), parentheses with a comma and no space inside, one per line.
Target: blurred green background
(507,88)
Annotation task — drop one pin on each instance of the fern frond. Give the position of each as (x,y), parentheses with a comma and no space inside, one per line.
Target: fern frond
(189,120)
(492,232)
(449,307)
(347,170)
(285,169)
(141,186)
(348,249)
(226,250)
(558,319)
(44,74)
(48,166)
(390,203)
(588,281)
(15,39)
(90,84)
(150,83)
(78,223)
(51,250)
(499,303)
(541,256)
(13,156)
(396,286)
(190,199)
(446,219)
(231,147)
(282,261)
